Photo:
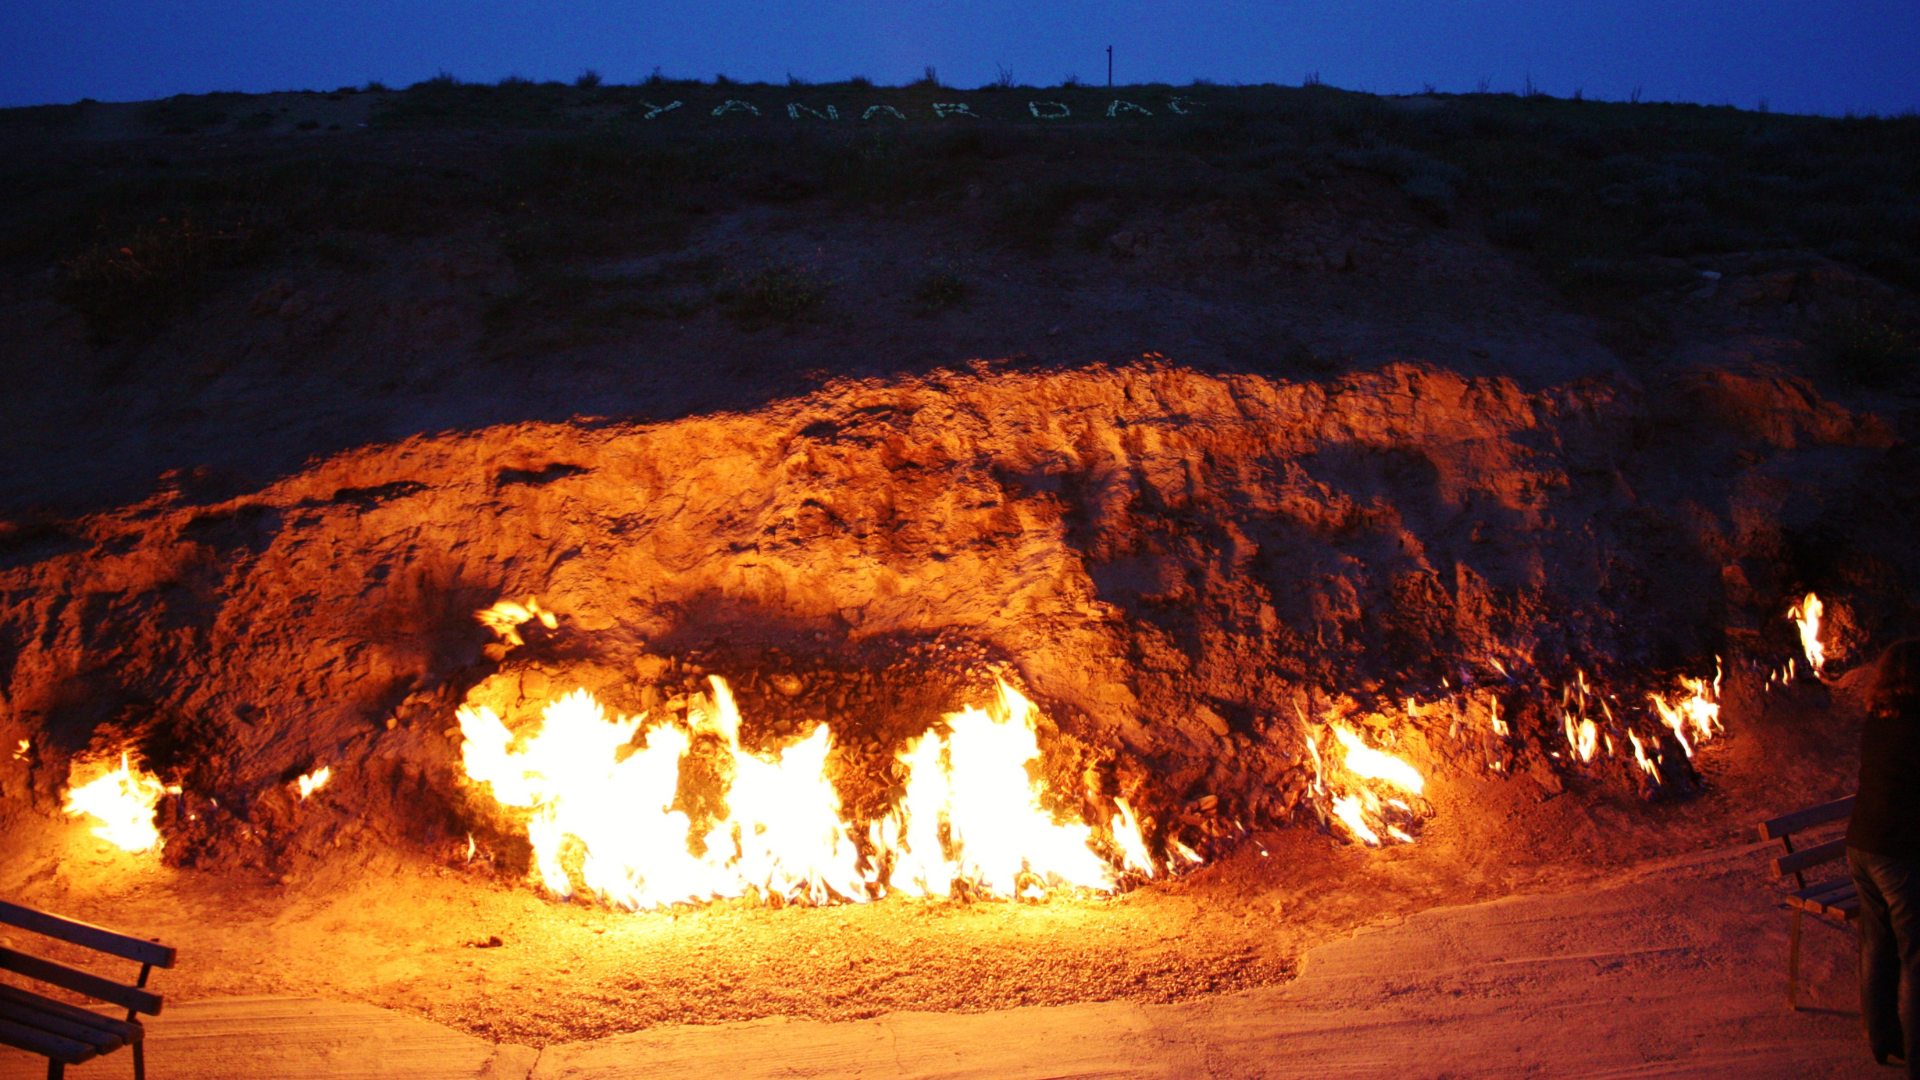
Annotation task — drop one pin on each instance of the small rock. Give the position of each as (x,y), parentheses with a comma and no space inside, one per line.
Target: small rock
(534,685)
(789,685)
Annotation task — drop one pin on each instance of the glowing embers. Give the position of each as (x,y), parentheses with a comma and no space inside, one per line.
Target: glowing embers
(972,820)
(607,812)
(121,798)
(1370,791)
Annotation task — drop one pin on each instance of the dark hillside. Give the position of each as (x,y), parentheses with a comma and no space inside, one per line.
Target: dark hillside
(407,245)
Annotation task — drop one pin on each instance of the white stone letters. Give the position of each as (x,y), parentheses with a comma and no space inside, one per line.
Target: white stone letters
(1178,105)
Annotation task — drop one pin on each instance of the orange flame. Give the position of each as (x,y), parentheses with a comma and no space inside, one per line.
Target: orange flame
(122,800)
(1640,756)
(1363,760)
(605,809)
(506,618)
(1360,810)
(1806,615)
(1348,809)
(1583,737)
(974,782)
(1694,718)
(313,781)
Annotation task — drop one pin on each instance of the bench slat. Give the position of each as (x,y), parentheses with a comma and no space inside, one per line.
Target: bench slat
(1835,848)
(101,1041)
(44,1043)
(1827,890)
(1840,910)
(1837,899)
(82,982)
(128,1033)
(97,938)
(1788,824)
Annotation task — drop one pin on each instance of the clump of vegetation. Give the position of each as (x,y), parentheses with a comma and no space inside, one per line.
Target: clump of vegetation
(1430,184)
(941,290)
(190,114)
(780,295)
(1871,349)
(127,285)
(557,307)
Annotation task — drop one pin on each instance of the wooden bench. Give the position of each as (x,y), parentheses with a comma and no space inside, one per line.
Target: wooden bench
(1833,900)
(67,1034)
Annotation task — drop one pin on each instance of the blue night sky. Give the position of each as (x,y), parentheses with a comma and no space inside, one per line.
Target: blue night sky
(1828,57)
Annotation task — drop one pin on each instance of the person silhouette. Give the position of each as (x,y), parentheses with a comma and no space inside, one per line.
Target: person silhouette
(1883,851)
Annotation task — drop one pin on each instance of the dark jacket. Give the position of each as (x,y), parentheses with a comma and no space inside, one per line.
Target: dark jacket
(1886,816)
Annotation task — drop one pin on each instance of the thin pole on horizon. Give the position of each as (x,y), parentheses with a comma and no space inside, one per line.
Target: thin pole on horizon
(1109,67)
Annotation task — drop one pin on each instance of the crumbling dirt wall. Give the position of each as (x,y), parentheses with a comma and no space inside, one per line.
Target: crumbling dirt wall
(1181,568)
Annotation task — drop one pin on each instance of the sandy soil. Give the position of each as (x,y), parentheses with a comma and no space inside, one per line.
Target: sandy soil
(1671,969)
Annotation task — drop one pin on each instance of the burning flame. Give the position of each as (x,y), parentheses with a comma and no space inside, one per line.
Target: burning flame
(972,785)
(1347,808)
(20,751)
(1697,713)
(1806,615)
(314,781)
(1583,738)
(506,618)
(1361,810)
(603,812)
(1640,756)
(122,800)
(1363,760)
